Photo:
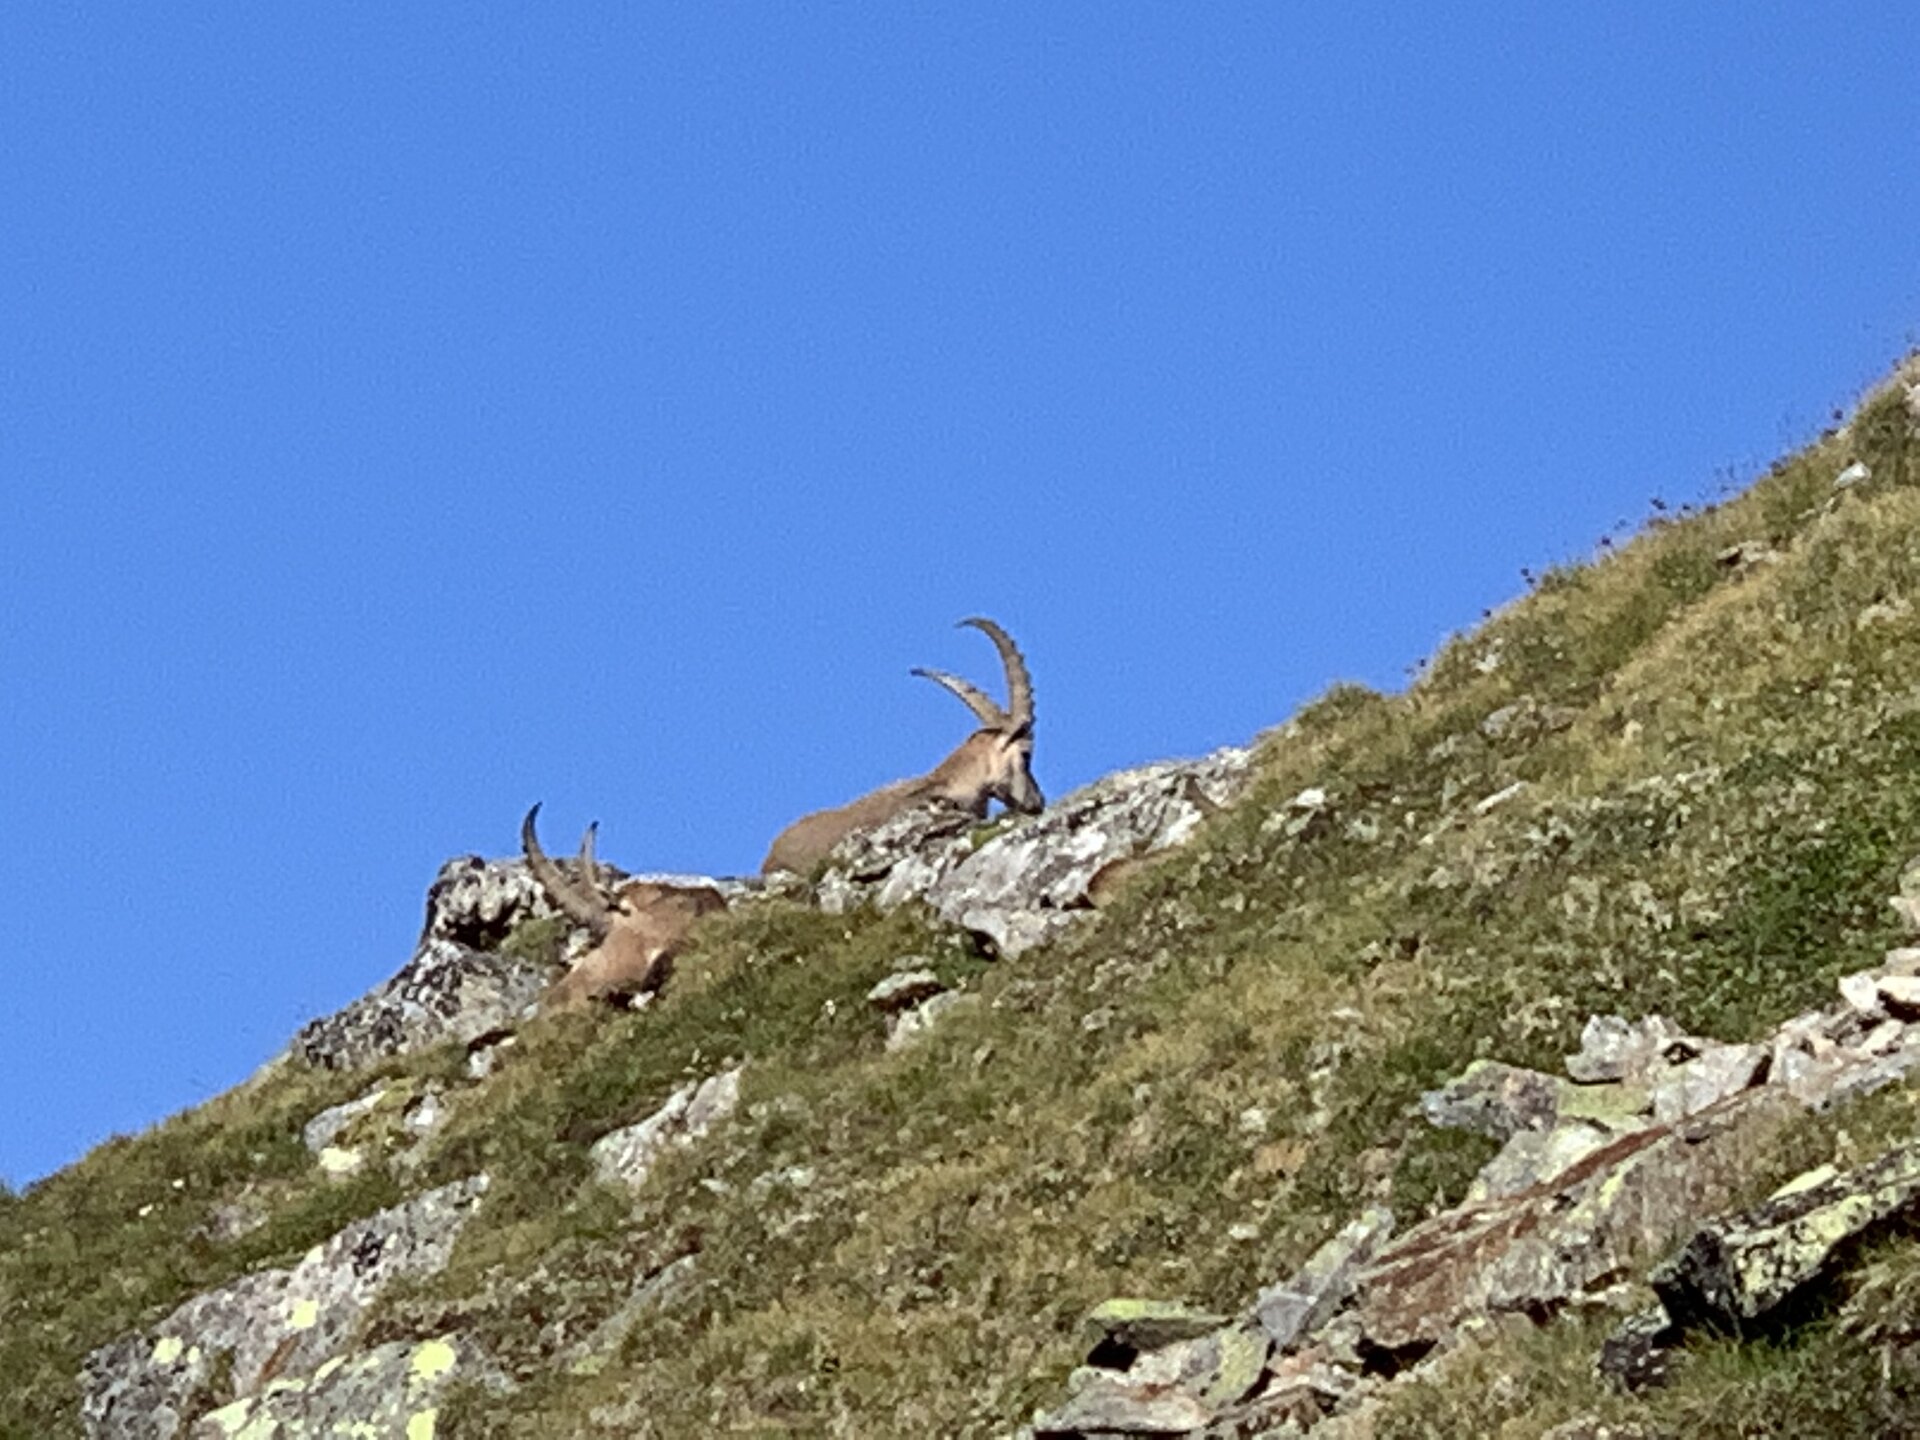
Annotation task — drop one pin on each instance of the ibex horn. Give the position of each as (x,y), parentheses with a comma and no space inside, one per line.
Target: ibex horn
(577,907)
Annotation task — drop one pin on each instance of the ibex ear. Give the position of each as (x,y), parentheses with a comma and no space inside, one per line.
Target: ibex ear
(1022,731)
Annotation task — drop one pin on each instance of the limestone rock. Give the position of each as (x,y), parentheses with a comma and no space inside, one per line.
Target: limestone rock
(1294,1310)
(1115,1408)
(269,1325)
(476,903)
(1717,1072)
(1901,995)
(626,1156)
(446,992)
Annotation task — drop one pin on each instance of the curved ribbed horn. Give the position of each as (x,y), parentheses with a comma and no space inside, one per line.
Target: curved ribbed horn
(590,872)
(972,696)
(1019,711)
(575,906)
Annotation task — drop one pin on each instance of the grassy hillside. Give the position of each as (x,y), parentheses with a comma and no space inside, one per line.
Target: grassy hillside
(1718,750)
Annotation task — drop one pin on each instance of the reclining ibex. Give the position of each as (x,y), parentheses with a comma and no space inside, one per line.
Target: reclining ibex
(636,929)
(993,764)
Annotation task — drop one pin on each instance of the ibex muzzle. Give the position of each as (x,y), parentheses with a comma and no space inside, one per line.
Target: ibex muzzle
(994,763)
(637,928)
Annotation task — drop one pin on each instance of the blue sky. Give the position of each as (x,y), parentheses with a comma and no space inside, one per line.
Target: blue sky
(411,412)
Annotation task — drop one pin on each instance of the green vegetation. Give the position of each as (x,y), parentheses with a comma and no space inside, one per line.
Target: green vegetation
(1718,759)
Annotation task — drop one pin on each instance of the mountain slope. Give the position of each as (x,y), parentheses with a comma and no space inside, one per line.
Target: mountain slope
(1681,779)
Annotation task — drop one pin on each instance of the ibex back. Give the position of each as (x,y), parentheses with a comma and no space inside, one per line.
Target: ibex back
(636,928)
(994,763)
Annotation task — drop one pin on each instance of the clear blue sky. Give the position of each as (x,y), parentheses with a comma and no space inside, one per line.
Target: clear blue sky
(409,412)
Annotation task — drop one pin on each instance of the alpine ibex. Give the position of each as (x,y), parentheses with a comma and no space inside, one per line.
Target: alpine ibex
(636,928)
(994,763)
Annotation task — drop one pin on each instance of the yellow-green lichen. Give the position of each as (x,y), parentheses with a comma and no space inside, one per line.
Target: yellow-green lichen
(433,1359)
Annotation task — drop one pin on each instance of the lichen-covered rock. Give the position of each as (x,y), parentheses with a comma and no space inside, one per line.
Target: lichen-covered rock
(391,1392)
(1135,1324)
(445,992)
(627,1155)
(1738,1271)
(1534,1251)
(271,1325)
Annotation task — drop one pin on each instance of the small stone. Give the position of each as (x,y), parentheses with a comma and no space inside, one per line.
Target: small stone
(1902,960)
(1861,991)
(1639,1353)
(1855,474)
(903,990)
(339,1162)
(1901,994)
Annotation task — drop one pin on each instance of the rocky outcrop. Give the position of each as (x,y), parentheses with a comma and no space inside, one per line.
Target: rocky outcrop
(1022,885)
(445,992)
(272,1326)
(1651,1130)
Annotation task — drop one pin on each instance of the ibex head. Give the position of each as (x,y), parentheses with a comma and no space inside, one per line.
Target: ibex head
(636,928)
(1000,752)
(994,763)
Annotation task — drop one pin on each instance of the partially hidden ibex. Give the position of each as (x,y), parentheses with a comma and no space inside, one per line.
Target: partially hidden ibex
(636,927)
(994,763)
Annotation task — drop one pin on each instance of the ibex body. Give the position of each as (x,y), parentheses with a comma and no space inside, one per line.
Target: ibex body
(993,763)
(637,927)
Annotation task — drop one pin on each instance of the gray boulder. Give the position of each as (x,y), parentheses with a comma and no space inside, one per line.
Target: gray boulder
(626,1156)
(445,992)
